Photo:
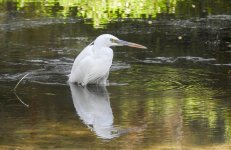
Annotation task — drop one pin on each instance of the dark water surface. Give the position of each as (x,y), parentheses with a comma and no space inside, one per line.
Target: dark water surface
(174,95)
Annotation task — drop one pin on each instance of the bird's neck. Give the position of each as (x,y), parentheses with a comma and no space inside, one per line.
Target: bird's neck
(101,51)
(98,48)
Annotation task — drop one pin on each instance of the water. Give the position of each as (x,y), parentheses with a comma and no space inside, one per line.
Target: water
(174,95)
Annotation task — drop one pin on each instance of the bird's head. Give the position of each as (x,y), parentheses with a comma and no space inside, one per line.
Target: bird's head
(108,40)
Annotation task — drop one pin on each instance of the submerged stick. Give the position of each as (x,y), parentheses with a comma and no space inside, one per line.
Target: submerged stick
(20,81)
(16,88)
(21,100)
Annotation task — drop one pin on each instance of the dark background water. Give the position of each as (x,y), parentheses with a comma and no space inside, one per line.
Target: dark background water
(174,95)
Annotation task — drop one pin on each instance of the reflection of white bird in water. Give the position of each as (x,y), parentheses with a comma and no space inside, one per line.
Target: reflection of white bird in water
(92,65)
(93,106)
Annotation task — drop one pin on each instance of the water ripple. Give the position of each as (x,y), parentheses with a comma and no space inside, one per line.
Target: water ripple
(223,64)
(29,23)
(172,60)
(49,71)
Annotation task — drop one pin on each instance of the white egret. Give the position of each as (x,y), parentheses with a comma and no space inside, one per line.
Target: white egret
(92,65)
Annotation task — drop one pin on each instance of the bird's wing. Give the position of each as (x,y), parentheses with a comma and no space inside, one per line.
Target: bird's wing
(87,51)
(91,68)
(99,68)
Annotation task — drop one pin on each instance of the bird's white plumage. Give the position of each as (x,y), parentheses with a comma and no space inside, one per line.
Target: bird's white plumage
(92,65)
(92,104)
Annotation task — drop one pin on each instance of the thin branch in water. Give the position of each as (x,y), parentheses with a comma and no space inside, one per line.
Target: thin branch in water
(16,88)
(20,81)
(21,100)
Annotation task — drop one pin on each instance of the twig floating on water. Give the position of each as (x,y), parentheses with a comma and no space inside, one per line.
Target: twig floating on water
(20,81)
(16,88)
(21,100)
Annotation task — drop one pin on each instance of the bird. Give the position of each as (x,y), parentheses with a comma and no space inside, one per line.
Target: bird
(93,64)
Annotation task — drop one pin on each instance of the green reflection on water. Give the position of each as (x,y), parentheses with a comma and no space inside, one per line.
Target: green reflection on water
(100,13)
(190,106)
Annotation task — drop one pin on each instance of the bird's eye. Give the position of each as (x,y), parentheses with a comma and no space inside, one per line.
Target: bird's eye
(113,40)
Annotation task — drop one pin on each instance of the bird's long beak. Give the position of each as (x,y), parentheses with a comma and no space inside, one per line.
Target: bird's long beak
(130,44)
